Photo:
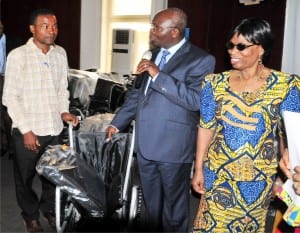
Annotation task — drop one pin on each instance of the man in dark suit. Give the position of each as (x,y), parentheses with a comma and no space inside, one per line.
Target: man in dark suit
(165,107)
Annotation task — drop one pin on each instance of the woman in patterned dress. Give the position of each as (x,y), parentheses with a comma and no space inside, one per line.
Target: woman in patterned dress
(240,110)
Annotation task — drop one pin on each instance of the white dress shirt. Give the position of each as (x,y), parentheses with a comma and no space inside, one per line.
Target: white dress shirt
(172,51)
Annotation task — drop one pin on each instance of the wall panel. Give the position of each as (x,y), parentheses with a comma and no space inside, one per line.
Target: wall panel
(210,22)
(15,17)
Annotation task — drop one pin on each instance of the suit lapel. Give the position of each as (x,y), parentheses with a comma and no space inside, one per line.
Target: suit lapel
(176,59)
(146,77)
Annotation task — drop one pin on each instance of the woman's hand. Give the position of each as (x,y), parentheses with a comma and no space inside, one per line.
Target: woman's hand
(296,180)
(284,164)
(198,182)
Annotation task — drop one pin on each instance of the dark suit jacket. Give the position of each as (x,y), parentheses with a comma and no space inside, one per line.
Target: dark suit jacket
(167,117)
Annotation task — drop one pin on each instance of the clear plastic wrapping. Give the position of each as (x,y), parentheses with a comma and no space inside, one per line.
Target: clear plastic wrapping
(92,173)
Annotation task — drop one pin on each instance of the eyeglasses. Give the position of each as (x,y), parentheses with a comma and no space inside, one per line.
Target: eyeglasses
(156,28)
(239,46)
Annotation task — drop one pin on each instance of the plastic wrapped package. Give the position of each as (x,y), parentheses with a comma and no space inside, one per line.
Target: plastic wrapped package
(96,123)
(82,85)
(92,173)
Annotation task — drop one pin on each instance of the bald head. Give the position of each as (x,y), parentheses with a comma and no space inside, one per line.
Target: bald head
(177,16)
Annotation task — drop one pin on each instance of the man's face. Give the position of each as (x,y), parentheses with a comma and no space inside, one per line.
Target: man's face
(162,29)
(44,30)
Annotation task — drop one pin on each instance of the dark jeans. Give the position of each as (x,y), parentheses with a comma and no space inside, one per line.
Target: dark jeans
(24,173)
(5,132)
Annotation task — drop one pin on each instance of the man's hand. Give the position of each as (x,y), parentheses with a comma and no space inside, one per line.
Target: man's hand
(110,131)
(31,141)
(68,117)
(147,66)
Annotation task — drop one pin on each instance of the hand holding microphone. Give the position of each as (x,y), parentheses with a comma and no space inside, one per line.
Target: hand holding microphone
(141,72)
(146,65)
(147,55)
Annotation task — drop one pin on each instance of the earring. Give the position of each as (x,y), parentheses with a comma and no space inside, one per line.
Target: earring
(259,61)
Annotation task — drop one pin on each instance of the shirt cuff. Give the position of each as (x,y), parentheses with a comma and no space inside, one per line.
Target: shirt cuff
(117,130)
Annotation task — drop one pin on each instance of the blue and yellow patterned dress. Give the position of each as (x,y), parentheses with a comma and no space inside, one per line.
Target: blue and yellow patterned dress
(242,159)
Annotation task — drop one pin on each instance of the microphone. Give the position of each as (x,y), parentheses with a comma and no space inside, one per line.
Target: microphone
(147,55)
(139,77)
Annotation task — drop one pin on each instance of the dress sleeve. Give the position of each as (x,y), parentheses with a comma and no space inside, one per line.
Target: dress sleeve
(207,105)
(291,101)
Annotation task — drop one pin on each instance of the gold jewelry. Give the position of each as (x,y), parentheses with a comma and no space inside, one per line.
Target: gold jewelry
(251,96)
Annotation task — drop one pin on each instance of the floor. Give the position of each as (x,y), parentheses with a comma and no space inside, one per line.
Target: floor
(11,220)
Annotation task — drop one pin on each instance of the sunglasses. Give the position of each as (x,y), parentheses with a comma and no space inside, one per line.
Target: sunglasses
(239,46)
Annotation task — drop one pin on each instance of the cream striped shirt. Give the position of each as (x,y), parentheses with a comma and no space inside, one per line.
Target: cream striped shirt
(35,88)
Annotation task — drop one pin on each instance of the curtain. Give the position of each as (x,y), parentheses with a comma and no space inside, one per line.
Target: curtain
(291,45)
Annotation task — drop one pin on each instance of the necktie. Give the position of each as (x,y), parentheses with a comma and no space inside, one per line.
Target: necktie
(161,64)
(163,59)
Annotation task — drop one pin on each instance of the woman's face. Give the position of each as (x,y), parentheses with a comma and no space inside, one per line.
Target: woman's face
(243,54)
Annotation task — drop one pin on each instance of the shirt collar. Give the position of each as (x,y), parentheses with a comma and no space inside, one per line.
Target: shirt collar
(2,38)
(174,48)
(32,44)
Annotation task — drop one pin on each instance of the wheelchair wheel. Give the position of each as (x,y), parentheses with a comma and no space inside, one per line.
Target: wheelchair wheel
(137,210)
(67,216)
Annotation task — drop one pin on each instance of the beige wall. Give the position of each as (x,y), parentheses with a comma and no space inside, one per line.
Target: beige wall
(291,45)
(95,37)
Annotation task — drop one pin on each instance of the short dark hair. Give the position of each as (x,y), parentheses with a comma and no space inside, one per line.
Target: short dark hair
(180,20)
(38,12)
(256,31)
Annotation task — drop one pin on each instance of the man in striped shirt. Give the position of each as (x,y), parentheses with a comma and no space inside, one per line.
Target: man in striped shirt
(35,93)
